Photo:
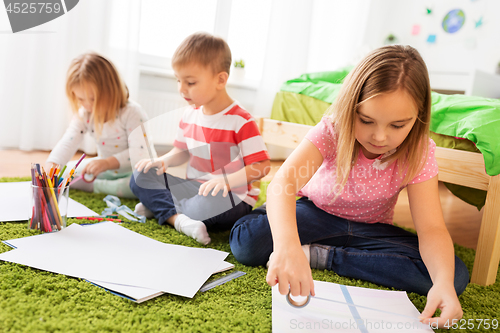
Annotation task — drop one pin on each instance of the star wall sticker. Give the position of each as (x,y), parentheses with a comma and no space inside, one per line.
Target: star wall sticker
(479,22)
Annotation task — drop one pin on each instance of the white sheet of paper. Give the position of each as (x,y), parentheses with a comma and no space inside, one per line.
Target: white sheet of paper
(139,294)
(15,203)
(347,309)
(224,266)
(111,253)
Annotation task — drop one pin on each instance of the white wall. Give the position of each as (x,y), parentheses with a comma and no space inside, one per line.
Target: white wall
(467,49)
(337,34)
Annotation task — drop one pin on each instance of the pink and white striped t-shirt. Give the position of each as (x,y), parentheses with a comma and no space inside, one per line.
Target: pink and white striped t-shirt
(228,140)
(372,188)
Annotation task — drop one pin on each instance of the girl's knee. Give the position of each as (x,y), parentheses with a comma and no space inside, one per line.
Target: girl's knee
(240,244)
(248,247)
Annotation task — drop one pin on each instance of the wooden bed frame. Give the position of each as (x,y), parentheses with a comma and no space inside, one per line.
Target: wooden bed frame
(456,167)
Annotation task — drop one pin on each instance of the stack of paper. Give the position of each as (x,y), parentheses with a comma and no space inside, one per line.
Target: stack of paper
(342,308)
(118,259)
(15,204)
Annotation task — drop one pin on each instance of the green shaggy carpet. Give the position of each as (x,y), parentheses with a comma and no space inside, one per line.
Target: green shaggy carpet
(38,301)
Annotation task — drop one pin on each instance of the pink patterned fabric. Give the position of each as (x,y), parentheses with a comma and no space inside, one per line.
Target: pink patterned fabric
(372,189)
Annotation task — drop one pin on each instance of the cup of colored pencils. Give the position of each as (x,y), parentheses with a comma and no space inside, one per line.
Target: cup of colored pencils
(49,199)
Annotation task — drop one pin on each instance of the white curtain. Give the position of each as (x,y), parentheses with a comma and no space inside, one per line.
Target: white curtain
(34,111)
(311,36)
(286,50)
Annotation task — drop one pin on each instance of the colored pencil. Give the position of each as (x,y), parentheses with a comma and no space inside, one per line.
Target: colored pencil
(51,200)
(61,174)
(51,171)
(35,215)
(47,208)
(46,213)
(80,160)
(58,219)
(97,218)
(69,177)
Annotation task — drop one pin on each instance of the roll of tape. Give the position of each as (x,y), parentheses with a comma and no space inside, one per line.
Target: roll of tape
(88,178)
(296,304)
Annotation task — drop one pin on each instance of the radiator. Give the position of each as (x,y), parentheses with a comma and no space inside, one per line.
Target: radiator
(164,110)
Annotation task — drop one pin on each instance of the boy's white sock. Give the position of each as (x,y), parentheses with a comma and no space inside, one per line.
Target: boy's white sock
(143,210)
(192,228)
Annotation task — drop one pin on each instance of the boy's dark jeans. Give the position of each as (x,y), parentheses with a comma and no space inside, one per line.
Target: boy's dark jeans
(217,212)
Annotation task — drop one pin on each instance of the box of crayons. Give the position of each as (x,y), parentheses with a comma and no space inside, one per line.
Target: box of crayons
(49,199)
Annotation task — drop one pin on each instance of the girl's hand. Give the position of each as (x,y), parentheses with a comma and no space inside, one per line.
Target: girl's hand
(291,270)
(216,184)
(96,167)
(443,297)
(146,164)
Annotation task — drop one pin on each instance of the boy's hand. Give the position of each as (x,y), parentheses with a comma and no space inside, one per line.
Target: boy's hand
(292,271)
(443,297)
(146,164)
(95,167)
(216,184)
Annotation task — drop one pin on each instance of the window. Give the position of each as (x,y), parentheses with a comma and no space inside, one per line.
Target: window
(247,37)
(243,24)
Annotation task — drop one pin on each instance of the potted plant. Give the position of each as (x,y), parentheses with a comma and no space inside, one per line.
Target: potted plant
(238,72)
(390,40)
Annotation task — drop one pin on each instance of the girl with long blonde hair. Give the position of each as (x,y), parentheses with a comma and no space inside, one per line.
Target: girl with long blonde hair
(372,143)
(100,102)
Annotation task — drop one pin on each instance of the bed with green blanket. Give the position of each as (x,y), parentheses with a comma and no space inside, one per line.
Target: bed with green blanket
(457,121)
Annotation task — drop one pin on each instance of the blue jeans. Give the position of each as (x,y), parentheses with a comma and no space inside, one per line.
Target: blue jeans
(380,253)
(180,196)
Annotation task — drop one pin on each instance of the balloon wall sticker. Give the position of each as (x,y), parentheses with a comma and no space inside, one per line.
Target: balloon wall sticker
(415,29)
(453,21)
(431,39)
(26,14)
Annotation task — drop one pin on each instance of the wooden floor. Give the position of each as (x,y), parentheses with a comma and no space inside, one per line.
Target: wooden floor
(462,219)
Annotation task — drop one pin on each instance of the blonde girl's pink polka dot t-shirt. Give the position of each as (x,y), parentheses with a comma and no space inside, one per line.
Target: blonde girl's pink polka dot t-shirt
(372,189)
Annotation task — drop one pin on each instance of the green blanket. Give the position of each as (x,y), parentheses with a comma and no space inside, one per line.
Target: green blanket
(469,117)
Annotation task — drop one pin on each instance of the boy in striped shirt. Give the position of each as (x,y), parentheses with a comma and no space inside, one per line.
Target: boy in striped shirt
(219,139)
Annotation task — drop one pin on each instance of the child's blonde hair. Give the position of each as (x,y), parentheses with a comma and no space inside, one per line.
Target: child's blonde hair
(93,71)
(204,49)
(385,70)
